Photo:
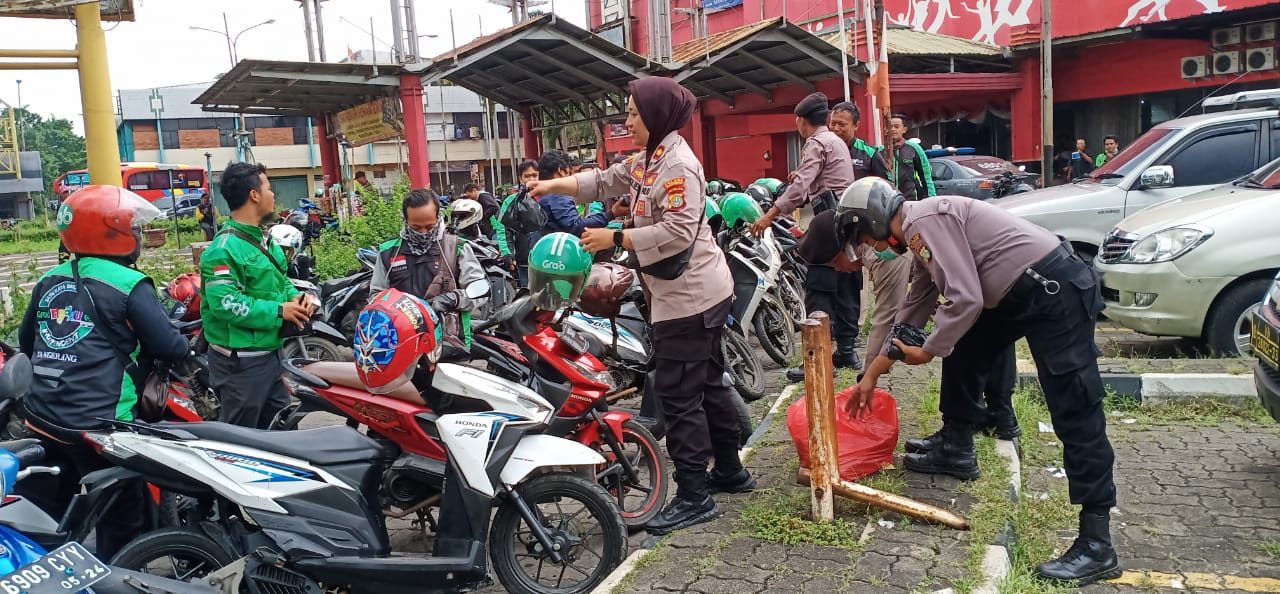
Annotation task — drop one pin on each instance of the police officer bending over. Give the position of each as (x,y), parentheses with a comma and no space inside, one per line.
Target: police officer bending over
(1003,278)
(89,322)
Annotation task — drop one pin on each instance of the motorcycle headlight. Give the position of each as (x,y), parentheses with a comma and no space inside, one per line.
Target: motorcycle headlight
(1166,245)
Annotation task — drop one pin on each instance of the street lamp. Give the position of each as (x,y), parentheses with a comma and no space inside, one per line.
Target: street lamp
(241,133)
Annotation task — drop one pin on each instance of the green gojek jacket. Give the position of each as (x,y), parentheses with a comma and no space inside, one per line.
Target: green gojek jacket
(242,291)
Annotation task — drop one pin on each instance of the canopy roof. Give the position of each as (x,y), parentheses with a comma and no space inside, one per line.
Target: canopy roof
(112,10)
(268,87)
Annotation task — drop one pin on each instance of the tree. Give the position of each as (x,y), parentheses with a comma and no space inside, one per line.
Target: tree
(61,149)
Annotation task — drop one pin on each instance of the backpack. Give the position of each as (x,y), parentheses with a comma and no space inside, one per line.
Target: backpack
(524,215)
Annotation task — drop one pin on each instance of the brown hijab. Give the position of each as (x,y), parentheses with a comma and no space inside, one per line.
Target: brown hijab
(664,106)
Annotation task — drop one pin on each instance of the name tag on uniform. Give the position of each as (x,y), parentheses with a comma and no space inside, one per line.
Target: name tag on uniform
(399,261)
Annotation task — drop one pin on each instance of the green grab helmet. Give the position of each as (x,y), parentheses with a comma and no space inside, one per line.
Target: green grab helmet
(711,211)
(715,187)
(558,269)
(737,207)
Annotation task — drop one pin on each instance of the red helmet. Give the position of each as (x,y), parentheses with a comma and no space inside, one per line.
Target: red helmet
(103,221)
(393,332)
(185,289)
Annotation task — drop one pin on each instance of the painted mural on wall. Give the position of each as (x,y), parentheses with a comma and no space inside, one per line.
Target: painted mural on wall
(988,21)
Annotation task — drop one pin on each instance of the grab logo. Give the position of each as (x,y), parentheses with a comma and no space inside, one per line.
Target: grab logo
(552,265)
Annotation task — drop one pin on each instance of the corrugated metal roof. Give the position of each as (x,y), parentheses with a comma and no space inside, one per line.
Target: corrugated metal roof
(690,50)
(910,42)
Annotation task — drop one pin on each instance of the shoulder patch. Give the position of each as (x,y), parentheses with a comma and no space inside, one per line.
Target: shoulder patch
(917,245)
(658,153)
(674,188)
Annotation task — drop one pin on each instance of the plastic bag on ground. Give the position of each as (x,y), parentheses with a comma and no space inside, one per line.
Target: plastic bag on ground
(865,444)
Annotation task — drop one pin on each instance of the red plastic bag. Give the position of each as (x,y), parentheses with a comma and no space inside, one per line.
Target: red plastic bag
(865,444)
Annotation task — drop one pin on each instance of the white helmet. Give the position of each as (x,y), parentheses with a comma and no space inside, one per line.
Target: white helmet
(465,212)
(288,237)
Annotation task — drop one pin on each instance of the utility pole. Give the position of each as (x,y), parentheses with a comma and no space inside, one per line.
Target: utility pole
(844,47)
(320,31)
(310,32)
(1046,93)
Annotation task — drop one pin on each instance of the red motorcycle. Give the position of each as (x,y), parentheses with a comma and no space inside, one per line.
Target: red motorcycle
(548,358)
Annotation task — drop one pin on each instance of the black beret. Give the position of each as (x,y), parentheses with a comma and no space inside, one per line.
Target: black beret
(819,245)
(815,102)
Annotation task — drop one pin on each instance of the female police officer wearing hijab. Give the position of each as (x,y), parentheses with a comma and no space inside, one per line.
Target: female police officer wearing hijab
(688,284)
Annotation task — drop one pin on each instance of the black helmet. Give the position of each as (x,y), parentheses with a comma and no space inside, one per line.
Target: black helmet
(758,192)
(867,206)
(297,220)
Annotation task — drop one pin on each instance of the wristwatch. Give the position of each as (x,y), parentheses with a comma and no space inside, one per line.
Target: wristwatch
(617,238)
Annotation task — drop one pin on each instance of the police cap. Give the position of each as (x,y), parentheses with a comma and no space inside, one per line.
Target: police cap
(812,105)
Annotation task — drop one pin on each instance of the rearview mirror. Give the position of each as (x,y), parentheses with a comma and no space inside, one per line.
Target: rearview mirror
(1156,177)
(477,289)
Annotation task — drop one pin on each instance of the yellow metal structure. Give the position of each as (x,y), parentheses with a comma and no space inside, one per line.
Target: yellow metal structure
(10,163)
(95,97)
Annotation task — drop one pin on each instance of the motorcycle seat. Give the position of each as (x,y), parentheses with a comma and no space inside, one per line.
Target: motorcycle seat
(330,287)
(324,446)
(344,374)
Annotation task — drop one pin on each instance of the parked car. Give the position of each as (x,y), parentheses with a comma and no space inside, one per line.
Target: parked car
(962,172)
(186,206)
(1196,266)
(1266,345)
(1174,159)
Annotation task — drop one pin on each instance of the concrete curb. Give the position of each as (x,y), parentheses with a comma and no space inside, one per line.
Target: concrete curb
(1172,387)
(618,575)
(998,560)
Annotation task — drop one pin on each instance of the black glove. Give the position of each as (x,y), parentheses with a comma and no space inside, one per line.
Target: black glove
(445,302)
(909,335)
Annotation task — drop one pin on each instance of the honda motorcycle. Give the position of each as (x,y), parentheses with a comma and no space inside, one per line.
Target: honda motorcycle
(300,511)
(555,364)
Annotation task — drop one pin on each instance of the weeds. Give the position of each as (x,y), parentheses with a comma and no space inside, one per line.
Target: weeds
(779,517)
(1271,548)
(656,555)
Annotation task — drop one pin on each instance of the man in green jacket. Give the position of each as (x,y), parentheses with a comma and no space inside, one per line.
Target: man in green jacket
(246,302)
(911,172)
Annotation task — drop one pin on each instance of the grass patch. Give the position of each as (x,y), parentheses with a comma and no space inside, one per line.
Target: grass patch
(1271,548)
(1200,412)
(657,555)
(1036,521)
(992,510)
(780,517)
(27,247)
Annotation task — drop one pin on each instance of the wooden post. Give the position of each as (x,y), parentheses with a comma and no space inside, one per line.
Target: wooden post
(820,400)
(892,502)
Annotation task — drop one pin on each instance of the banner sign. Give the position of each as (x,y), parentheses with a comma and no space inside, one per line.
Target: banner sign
(373,121)
(710,5)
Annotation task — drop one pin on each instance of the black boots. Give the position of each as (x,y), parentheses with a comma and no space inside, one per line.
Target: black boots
(845,357)
(735,482)
(920,445)
(953,454)
(692,505)
(1090,558)
(1001,420)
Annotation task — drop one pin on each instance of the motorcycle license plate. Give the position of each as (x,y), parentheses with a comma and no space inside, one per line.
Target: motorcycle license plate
(70,568)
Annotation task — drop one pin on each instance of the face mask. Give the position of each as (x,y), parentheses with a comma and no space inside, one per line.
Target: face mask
(887,254)
(418,242)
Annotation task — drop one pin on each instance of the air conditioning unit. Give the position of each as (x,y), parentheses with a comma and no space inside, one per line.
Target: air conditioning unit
(1194,67)
(1226,62)
(1225,36)
(1260,58)
(1260,32)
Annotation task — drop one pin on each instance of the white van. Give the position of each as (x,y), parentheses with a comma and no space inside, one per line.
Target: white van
(1171,160)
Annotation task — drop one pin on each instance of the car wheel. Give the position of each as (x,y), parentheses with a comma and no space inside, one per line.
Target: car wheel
(1230,321)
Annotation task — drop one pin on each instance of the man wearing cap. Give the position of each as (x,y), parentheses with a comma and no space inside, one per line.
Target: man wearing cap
(1004,278)
(826,169)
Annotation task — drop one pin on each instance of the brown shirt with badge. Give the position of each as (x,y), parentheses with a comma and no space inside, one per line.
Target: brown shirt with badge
(825,164)
(667,202)
(969,251)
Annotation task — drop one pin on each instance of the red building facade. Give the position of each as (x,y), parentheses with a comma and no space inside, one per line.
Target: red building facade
(1118,64)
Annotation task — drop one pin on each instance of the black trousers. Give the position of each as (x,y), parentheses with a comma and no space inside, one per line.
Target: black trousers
(1059,328)
(839,294)
(697,402)
(251,388)
(121,523)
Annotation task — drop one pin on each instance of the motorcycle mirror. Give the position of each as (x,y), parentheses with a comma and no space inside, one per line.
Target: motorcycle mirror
(477,289)
(1022,168)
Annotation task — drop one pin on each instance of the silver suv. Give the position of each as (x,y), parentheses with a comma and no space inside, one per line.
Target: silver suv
(1171,160)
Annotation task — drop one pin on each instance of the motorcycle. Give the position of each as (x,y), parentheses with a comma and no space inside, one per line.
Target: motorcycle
(555,364)
(317,339)
(758,299)
(1007,184)
(27,566)
(299,511)
(343,298)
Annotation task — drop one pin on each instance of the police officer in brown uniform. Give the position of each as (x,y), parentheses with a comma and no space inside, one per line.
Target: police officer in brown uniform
(1003,278)
(825,170)
(687,280)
